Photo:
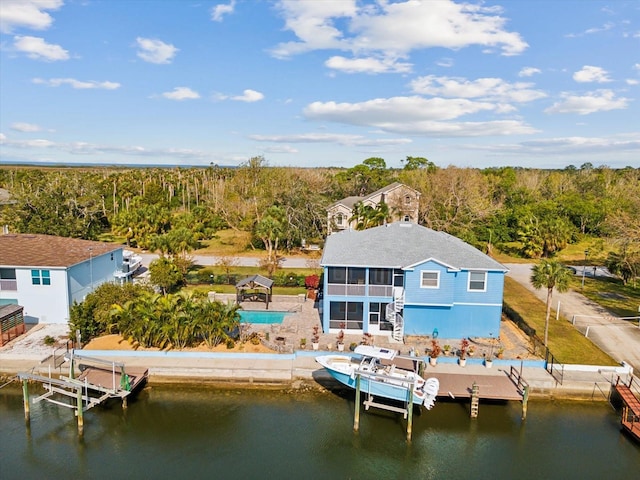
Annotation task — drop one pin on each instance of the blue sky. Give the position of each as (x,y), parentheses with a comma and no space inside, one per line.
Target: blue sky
(531,83)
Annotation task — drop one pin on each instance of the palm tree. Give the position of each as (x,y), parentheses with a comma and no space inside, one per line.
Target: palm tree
(550,274)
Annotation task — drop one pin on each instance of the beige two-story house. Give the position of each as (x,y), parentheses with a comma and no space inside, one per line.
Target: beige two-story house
(402,200)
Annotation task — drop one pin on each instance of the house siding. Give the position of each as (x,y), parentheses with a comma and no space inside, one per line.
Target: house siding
(43,303)
(458,321)
(443,295)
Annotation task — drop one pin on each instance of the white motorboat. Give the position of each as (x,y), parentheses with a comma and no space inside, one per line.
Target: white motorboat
(383,373)
(131,263)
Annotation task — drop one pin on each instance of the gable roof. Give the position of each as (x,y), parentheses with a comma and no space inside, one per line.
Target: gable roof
(402,245)
(255,281)
(349,202)
(30,250)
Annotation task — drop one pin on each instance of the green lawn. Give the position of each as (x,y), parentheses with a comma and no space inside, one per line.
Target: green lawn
(621,300)
(565,342)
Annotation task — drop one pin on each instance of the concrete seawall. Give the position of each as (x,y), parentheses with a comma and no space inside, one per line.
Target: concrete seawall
(300,369)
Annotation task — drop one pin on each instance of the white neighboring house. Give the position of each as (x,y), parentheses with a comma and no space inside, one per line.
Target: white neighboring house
(47,274)
(403,202)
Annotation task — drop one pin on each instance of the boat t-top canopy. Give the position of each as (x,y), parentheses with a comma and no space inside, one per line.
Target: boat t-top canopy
(377,352)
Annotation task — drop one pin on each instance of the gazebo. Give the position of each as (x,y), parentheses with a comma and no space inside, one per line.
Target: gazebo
(255,288)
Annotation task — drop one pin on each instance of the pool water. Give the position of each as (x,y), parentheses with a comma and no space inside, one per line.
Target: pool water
(255,316)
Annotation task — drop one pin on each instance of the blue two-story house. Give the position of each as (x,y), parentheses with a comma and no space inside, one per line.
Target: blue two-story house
(404,279)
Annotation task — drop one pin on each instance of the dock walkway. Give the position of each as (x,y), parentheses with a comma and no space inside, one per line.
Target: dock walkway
(490,387)
(630,409)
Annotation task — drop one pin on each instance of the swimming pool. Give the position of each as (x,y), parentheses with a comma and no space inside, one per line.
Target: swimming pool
(261,316)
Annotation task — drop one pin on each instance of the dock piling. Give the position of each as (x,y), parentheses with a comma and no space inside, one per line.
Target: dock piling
(356,417)
(25,395)
(525,401)
(410,414)
(475,400)
(80,412)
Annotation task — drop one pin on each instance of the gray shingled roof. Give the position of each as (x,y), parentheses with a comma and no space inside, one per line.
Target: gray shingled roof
(347,202)
(255,280)
(402,244)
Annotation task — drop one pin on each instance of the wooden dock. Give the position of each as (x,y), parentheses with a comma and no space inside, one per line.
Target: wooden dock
(104,378)
(98,381)
(630,409)
(508,386)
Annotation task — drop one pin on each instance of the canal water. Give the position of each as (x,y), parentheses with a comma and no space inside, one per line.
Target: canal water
(193,432)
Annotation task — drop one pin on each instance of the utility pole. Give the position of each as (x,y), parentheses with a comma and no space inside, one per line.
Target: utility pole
(584,267)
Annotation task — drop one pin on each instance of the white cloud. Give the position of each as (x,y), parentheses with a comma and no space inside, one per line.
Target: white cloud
(565,146)
(445,62)
(25,127)
(248,96)
(593,30)
(181,93)
(78,84)
(491,89)
(632,81)
(393,30)
(598,101)
(220,10)
(37,49)
(528,72)
(155,51)
(367,65)
(86,148)
(590,73)
(26,14)
(416,115)
(339,138)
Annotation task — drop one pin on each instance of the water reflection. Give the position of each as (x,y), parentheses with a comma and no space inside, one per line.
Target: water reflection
(202,432)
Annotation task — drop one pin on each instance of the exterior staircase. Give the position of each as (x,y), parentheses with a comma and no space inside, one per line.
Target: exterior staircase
(393,314)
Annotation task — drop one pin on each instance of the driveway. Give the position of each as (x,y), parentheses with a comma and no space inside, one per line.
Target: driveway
(620,339)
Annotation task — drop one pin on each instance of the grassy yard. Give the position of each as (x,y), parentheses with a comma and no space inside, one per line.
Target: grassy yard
(565,342)
(621,300)
(229,242)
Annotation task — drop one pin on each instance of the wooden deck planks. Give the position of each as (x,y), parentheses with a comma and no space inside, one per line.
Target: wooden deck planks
(629,399)
(103,376)
(491,387)
(631,403)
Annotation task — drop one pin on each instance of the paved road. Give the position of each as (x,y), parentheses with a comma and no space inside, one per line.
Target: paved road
(616,337)
(208,260)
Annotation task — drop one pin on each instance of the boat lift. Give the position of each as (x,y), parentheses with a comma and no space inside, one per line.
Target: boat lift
(370,402)
(94,385)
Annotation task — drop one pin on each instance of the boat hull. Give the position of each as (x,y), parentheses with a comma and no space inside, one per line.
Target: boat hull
(391,388)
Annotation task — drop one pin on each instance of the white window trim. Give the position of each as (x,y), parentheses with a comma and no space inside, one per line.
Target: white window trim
(422,285)
(469,289)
